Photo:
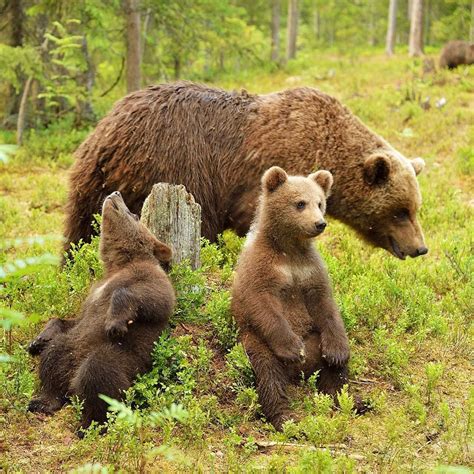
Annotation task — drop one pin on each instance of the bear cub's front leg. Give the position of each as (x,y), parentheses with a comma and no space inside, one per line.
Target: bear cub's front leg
(121,313)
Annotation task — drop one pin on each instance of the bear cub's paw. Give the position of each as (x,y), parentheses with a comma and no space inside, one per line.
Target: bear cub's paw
(46,406)
(335,348)
(37,346)
(116,329)
(291,350)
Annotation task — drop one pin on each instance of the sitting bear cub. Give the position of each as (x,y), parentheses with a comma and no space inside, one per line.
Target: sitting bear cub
(281,296)
(103,350)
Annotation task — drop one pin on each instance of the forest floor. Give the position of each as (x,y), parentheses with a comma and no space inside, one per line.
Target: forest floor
(409,322)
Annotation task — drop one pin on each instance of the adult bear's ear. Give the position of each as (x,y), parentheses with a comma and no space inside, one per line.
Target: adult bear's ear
(376,169)
(324,179)
(273,178)
(162,252)
(418,165)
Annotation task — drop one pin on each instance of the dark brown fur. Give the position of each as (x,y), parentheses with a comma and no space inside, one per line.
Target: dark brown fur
(218,144)
(455,53)
(282,298)
(103,350)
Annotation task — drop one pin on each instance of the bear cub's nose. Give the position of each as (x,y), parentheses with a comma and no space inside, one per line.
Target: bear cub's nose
(116,193)
(320,226)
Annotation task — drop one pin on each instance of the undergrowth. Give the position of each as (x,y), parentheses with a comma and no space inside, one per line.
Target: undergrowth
(409,323)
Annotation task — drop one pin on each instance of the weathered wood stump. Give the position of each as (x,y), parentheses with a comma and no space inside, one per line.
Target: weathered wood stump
(172,214)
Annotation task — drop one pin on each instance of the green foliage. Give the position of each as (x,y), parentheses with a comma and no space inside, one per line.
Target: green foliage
(465,158)
(220,317)
(239,369)
(409,323)
(6,151)
(190,291)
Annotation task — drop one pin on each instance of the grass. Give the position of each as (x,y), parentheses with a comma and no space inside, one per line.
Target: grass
(410,323)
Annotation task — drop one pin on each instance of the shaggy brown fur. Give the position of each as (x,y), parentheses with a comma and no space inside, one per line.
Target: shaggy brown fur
(281,296)
(102,351)
(218,144)
(455,53)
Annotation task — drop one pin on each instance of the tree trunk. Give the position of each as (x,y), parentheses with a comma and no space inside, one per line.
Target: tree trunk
(133,62)
(86,79)
(391,28)
(275,30)
(292,29)
(17,18)
(416,29)
(317,23)
(427,27)
(173,216)
(20,126)
(471,33)
(146,24)
(372,39)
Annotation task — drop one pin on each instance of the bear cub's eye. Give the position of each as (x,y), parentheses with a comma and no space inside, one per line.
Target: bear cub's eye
(301,205)
(320,205)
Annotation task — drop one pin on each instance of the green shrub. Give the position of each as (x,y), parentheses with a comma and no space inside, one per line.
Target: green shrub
(219,315)
(190,291)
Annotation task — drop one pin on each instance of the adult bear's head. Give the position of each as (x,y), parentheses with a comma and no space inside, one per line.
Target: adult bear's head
(388,219)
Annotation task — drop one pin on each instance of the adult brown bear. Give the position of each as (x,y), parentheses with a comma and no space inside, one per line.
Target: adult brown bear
(455,53)
(219,143)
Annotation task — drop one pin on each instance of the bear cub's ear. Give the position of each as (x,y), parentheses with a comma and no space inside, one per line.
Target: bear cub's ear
(324,179)
(273,178)
(376,169)
(162,252)
(418,165)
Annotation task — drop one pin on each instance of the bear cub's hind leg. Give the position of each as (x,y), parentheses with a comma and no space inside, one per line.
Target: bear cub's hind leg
(56,365)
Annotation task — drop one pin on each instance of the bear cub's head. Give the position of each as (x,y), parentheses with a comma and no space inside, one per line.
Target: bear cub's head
(125,239)
(294,206)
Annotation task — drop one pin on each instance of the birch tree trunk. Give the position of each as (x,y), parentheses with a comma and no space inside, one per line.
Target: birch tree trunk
(471,33)
(391,28)
(292,29)
(133,62)
(173,216)
(20,126)
(276,4)
(416,29)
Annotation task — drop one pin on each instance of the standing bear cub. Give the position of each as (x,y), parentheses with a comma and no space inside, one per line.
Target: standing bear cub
(111,342)
(281,297)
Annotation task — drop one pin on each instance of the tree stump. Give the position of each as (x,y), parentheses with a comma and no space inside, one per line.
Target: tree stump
(174,217)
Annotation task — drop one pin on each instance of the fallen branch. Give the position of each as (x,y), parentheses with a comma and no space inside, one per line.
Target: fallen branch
(332,448)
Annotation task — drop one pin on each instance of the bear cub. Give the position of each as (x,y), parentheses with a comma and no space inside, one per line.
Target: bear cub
(281,297)
(103,350)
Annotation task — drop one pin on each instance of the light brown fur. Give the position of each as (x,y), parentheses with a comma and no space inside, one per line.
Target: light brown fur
(281,296)
(219,143)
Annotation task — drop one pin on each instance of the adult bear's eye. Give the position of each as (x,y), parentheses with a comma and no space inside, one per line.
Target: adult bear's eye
(301,205)
(401,214)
